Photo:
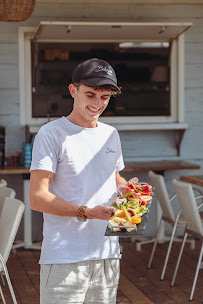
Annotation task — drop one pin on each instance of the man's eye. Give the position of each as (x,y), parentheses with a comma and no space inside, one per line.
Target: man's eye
(90,96)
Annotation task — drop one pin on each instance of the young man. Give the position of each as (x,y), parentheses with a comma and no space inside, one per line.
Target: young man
(74,179)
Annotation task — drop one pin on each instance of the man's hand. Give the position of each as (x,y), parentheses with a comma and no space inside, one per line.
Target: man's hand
(99,212)
(120,181)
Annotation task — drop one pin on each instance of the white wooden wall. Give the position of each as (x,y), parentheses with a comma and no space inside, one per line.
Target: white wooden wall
(135,144)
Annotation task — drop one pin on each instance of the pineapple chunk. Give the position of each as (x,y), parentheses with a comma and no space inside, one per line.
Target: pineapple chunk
(127,214)
(136,220)
(118,213)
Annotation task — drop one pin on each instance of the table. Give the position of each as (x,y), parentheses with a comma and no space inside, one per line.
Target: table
(25,172)
(193,179)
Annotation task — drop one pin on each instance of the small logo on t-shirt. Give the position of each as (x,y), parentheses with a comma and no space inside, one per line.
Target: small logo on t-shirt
(109,150)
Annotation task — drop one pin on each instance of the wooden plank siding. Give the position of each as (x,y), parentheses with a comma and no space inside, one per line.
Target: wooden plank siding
(120,12)
(143,144)
(138,285)
(137,144)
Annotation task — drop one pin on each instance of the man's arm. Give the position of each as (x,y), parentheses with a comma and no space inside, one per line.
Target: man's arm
(41,199)
(120,181)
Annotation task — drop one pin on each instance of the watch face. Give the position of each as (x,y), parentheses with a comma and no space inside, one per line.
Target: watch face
(82,220)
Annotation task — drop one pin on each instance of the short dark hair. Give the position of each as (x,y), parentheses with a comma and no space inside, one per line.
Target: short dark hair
(107,87)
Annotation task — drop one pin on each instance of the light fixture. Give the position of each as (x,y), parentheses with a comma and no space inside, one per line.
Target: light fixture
(68,29)
(162,29)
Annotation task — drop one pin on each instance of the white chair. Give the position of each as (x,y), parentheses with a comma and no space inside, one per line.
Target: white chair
(194,222)
(10,219)
(3,183)
(5,192)
(167,216)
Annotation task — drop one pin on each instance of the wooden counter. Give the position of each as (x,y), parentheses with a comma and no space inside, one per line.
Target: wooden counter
(193,179)
(163,165)
(16,170)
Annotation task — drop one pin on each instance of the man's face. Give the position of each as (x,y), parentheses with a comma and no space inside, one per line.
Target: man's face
(88,102)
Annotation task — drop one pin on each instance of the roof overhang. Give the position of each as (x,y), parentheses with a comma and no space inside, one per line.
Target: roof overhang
(73,31)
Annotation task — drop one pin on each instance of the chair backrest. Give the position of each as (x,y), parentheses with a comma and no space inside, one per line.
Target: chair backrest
(188,205)
(162,195)
(10,219)
(5,192)
(3,183)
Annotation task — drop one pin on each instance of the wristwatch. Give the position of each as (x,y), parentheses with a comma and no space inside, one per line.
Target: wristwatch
(80,216)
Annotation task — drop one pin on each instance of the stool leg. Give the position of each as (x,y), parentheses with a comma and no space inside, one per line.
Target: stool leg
(168,251)
(3,281)
(179,258)
(196,273)
(2,296)
(155,242)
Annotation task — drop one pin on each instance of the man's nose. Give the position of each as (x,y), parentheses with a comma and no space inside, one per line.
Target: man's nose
(97,101)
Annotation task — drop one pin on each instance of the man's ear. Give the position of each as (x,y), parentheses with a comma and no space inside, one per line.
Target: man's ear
(72,90)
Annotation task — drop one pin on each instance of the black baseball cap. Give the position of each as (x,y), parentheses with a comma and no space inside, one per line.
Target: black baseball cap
(95,72)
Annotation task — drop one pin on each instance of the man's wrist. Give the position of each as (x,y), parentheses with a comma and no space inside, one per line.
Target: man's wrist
(87,212)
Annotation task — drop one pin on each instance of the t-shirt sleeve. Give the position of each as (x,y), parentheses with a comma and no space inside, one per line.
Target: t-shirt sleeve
(120,163)
(44,153)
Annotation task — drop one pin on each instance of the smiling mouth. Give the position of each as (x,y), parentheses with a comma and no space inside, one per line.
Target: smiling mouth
(93,110)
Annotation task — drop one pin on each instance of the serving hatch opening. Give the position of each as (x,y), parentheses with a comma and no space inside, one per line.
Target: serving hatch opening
(148,58)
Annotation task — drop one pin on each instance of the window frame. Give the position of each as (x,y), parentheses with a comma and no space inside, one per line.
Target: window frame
(174,121)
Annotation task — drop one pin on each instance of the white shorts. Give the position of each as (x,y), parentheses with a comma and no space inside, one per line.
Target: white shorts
(83,282)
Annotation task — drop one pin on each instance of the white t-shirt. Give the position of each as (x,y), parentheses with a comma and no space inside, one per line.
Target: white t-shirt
(85,161)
